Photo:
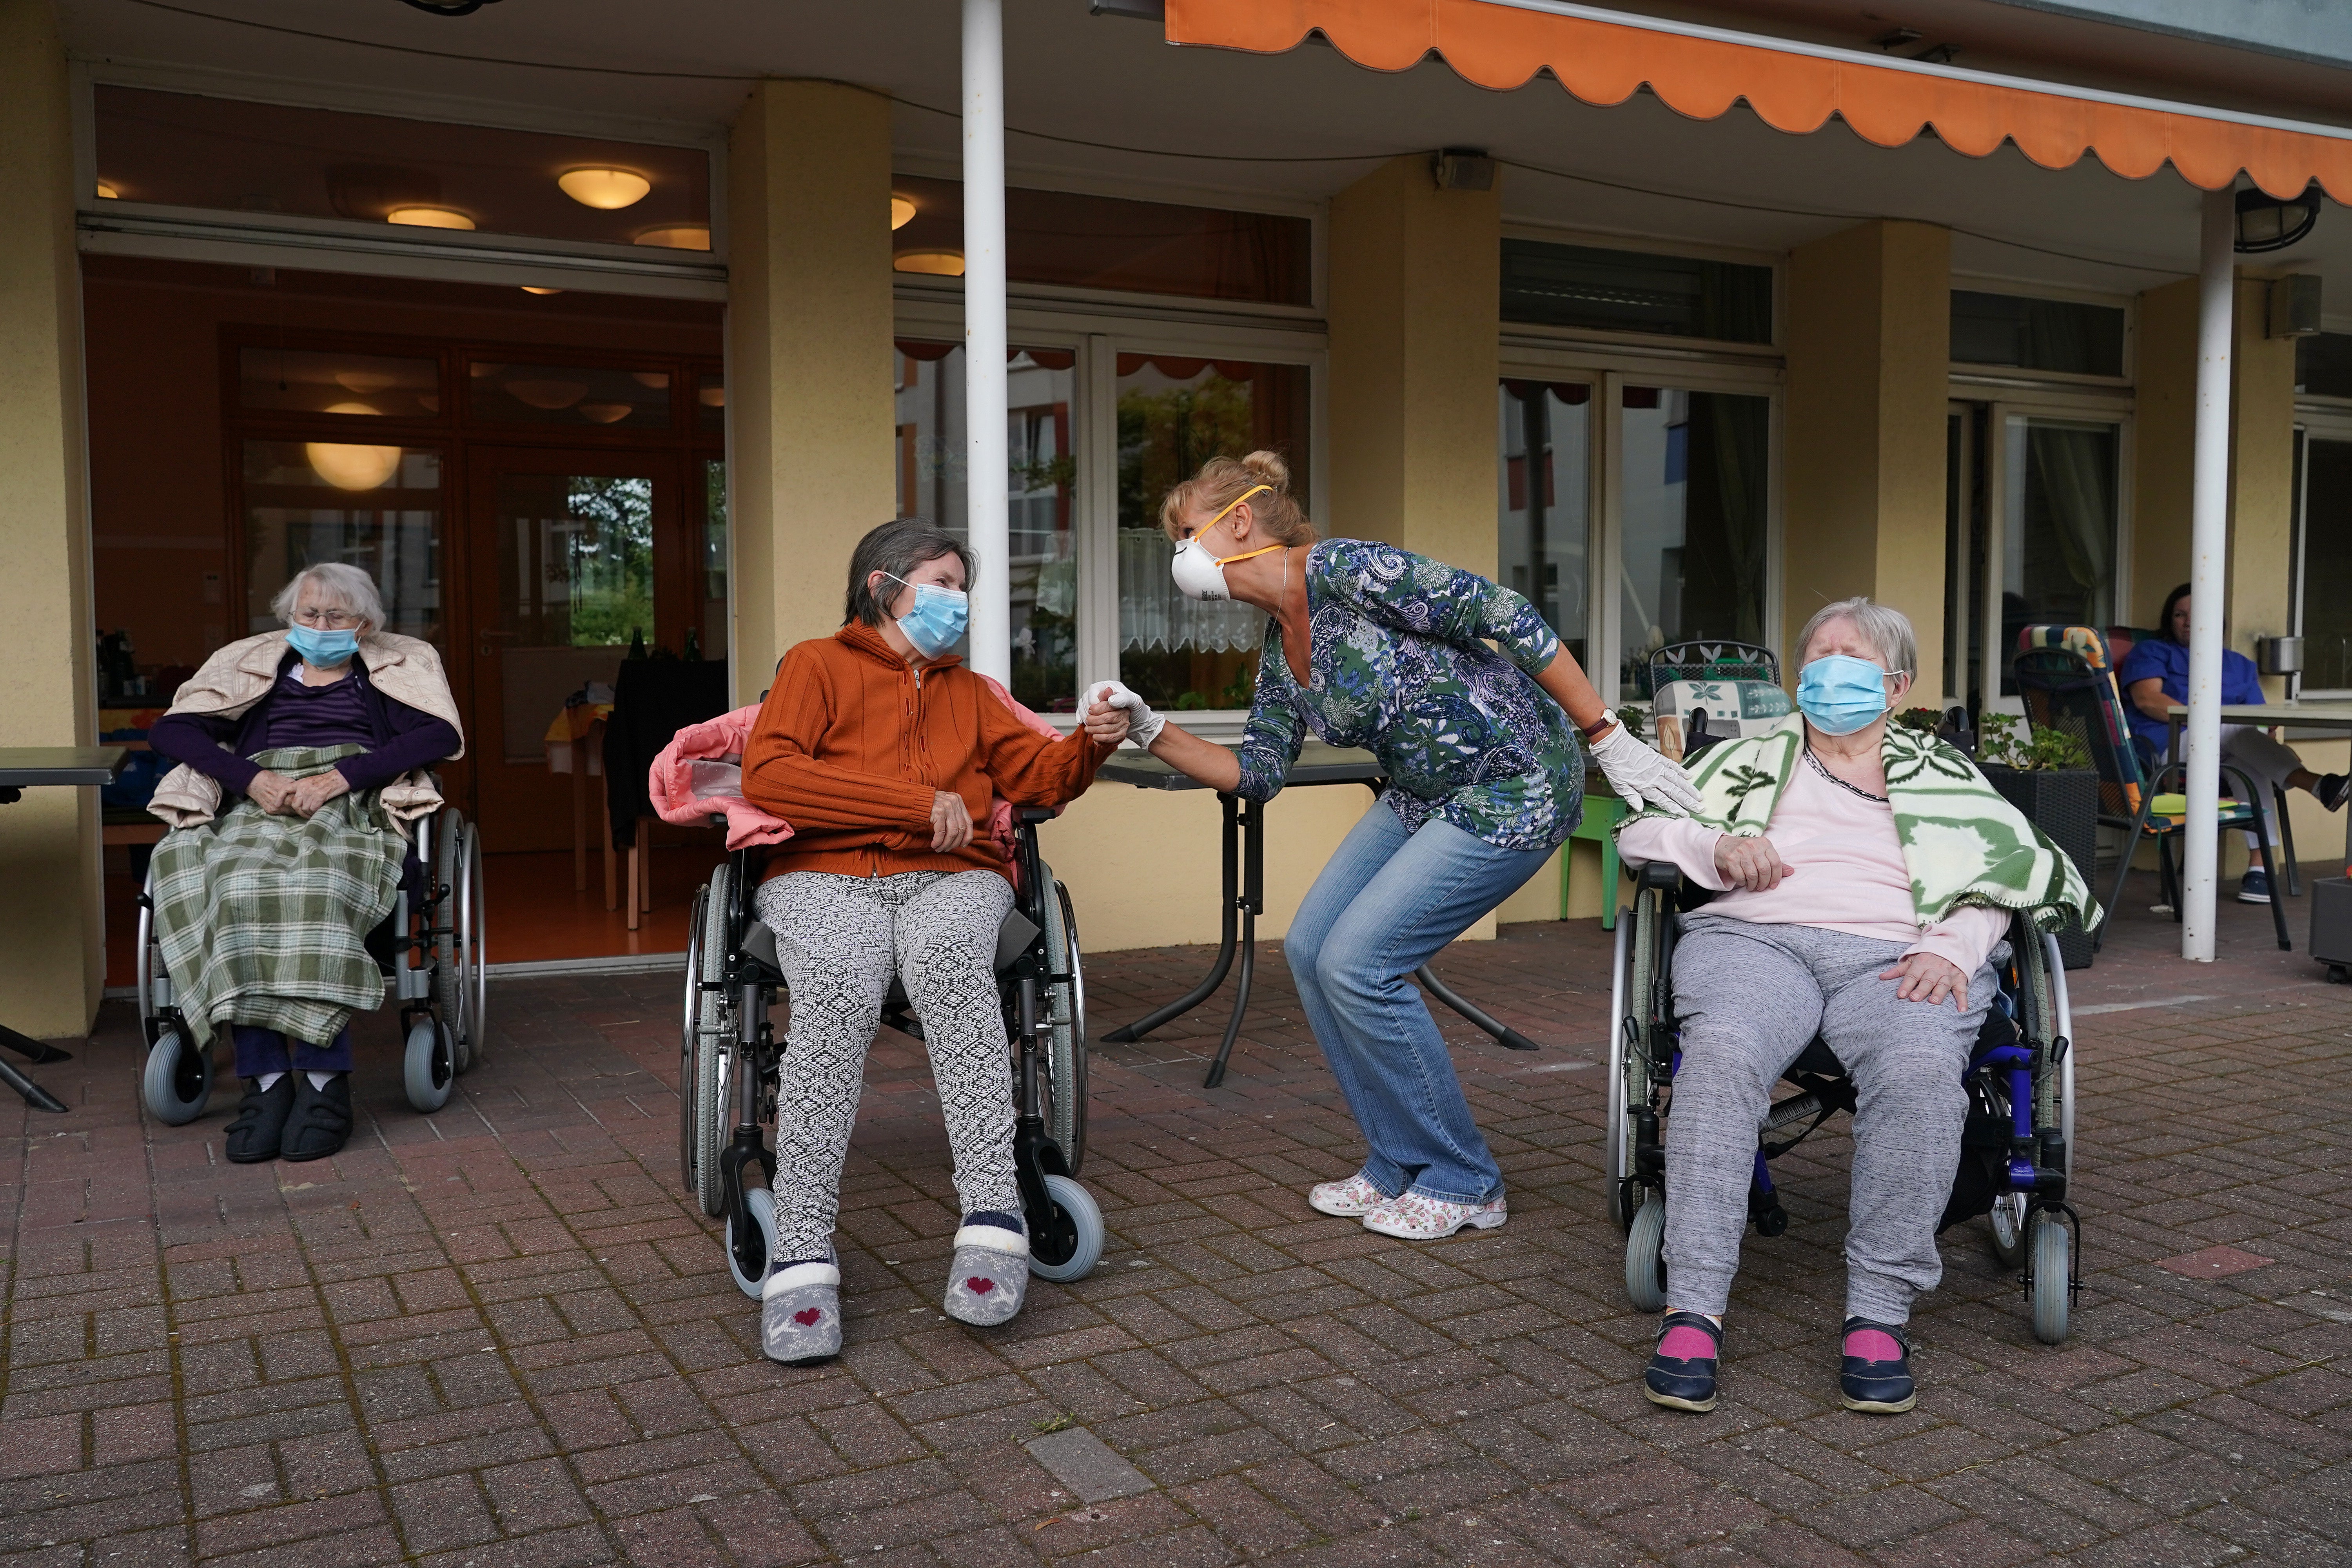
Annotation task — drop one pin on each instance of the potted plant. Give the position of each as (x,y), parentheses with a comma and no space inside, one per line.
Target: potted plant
(2048,777)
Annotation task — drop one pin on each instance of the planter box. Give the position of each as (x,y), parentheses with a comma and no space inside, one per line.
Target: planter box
(2064,804)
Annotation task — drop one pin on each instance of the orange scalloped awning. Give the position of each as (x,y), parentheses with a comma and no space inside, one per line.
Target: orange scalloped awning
(1503,48)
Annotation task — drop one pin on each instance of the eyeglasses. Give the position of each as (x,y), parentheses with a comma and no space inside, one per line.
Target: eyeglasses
(328,620)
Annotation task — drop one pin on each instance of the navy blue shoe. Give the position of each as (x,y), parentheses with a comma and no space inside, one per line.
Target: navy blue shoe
(2254,887)
(1874,1380)
(1684,1382)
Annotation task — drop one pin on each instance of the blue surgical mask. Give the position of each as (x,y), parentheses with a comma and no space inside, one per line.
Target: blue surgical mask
(1841,693)
(937,618)
(323,649)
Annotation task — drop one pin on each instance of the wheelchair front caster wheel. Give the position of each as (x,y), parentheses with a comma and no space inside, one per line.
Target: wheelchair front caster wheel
(2050,1281)
(1068,1247)
(178,1081)
(752,1240)
(1645,1255)
(429,1068)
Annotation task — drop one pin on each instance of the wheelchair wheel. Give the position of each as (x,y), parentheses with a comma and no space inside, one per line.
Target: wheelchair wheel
(458,978)
(429,1065)
(1616,1129)
(1645,1255)
(689,1038)
(2049,1275)
(2008,1221)
(714,1049)
(1064,1089)
(751,1241)
(178,1081)
(1071,1247)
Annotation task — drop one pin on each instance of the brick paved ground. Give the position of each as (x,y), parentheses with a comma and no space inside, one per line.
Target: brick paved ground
(500,1336)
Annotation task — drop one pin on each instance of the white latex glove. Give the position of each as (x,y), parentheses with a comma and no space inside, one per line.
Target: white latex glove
(1142,724)
(1640,777)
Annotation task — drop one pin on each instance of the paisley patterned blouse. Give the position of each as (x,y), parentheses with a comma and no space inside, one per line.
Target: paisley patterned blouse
(1399,665)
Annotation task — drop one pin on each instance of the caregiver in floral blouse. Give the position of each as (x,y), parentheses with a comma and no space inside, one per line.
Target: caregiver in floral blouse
(1374,646)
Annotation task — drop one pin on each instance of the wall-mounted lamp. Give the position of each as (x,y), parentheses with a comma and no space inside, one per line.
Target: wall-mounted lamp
(2267,222)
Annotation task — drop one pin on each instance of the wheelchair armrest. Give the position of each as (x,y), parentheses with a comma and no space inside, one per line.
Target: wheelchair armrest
(1662,875)
(1031,815)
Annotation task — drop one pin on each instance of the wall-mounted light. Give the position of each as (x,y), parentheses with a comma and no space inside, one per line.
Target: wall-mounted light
(936,263)
(2267,223)
(608,190)
(351,468)
(428,217)
(902,211)
(678,236)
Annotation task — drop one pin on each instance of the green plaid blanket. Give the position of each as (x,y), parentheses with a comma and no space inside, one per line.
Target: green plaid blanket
(261,918)
(1962,841)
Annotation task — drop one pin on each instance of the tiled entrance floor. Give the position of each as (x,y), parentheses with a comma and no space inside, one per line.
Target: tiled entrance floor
(501,1335)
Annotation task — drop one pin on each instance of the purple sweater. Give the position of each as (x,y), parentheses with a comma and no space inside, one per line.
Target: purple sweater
(349,712)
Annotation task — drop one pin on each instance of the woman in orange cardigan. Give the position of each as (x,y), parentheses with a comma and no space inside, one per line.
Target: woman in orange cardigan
(882,751)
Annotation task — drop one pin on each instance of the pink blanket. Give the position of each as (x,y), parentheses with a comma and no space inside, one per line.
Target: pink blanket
(699,774)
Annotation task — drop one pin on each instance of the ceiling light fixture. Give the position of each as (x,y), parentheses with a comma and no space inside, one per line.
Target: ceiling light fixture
(535,288)
(108,192)
(608,190)
(2267,223)
(902,211)
(607,413)
(428,217)
(351,468)
(450,7)
(678,236)
(936,263)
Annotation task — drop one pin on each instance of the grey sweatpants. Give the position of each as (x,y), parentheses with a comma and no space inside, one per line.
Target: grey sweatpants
(839,939)
(1751,997)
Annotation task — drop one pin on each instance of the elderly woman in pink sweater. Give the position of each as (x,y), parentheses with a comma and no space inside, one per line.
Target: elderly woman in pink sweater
(1863,879)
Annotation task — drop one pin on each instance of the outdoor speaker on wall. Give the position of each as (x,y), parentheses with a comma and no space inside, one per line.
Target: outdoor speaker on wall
(2295,306)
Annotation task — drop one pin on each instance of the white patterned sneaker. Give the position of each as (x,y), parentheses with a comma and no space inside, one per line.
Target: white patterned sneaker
(1346,1199)
(1417,1218)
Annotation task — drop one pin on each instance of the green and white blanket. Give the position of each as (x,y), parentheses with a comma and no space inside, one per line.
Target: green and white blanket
(262,918)
(1962,840)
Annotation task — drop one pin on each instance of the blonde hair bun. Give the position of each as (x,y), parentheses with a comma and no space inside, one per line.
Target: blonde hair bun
(1268,468)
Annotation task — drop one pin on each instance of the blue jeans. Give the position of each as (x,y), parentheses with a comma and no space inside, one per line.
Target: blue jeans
(1383,907)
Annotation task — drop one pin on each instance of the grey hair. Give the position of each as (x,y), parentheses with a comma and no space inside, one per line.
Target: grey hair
(897,547)
(339,582)
(1886,628)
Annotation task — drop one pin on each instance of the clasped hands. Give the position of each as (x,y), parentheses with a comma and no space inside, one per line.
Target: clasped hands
(952,828)
(1754,865)
(281,796)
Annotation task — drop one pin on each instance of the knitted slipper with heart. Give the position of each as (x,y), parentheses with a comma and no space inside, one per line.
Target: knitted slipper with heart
(800,1313)
(990,1275)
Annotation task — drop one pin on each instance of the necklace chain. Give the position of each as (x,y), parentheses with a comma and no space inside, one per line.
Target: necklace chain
(1822,768)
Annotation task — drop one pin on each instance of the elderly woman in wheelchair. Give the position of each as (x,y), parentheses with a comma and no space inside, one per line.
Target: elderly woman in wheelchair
(302,757)
(882,751)
(1865,878)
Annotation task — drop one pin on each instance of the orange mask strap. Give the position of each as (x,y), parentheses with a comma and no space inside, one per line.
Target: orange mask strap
(1229,560)
(1250,554)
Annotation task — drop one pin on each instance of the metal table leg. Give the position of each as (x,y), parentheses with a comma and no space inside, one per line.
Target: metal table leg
(1208,988)
(1253,904)
(37,1097)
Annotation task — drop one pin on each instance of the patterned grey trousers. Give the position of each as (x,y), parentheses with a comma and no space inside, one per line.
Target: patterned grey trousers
(839,940)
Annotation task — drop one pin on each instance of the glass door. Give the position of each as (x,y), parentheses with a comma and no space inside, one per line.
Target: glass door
(2323,596)
(576,555)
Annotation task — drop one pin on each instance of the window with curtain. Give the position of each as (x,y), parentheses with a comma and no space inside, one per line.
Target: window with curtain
(2059,553)
(1632,291)
(1040,481)
(1697,465)
(1174,414)
(2061,336)
(2326,594)
(1543,528)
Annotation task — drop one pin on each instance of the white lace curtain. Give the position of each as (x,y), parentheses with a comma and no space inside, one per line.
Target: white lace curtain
(1154,614)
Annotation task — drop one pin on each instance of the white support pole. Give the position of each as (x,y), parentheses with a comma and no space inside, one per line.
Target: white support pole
(983,336)
(2209,541)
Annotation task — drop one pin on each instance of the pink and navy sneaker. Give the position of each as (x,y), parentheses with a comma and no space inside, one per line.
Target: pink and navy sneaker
(1681,1374)
(1876,1377)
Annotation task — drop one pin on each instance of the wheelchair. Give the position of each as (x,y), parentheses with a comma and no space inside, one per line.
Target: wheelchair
(2017,1149)
(729,1054)
(429,948)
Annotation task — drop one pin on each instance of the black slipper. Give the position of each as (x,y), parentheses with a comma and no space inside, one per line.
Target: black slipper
(2333,788)
(260,1124)
(322,1120)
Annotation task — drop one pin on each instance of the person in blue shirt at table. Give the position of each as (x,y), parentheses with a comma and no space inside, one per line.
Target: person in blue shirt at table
(1368,645)
(2155,676)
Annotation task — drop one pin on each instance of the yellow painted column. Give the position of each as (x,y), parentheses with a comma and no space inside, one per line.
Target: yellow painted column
(53,962)
(2261,474)
(2164,418)
(1415,315)
(809,334)
(1869,340)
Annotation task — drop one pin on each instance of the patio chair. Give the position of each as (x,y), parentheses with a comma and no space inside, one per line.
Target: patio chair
(2068,685)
